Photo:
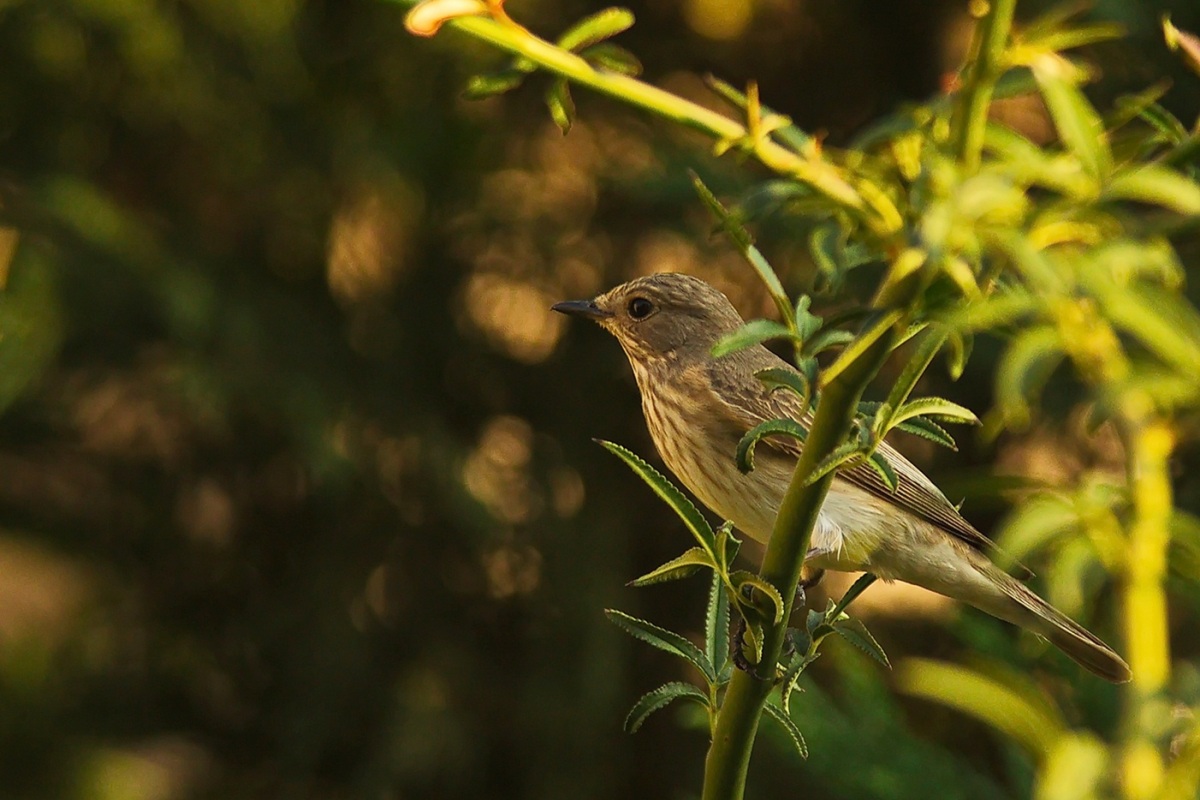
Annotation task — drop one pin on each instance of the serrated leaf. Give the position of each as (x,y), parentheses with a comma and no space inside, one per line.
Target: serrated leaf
(1155,185)
(854,632)
(753,638)
(928,429)
(716,626)
(562,107)
(756,331)
(596,28)
(1078,124)
(665,640)
(480,87)
(791,677)
(657,699)
(683,508)
(884,470)
(741,237)
(783,378)
(683,566)
(613,58)
(935,407)
(745,449)
(743,578)
(789,726)
(841,455)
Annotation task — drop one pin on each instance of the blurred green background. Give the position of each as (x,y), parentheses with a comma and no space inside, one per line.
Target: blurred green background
(298,497)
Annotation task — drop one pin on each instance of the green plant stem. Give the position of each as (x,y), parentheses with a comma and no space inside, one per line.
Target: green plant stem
(1150,442)
(987,56)
(729,754)
(878,213)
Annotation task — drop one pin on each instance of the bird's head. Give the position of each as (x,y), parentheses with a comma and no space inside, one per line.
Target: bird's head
(667,315)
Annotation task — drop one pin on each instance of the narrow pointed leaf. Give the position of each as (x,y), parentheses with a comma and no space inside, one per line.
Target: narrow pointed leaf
(660,698)
(596,28)
(935,407)
(679,503)
(753,332)
(841,455)
(562,107)
(716,626)
(741,238)
(613,58)
(782,378)
(854,632)
(1024,369)
(1078,124)
(683,566)
(663,639)
(928,429)
(743,578)
(789,726)
(482,86)
(745,449)
(863,583)
(884,470)
(791,677)
(823,340)
(1158,186)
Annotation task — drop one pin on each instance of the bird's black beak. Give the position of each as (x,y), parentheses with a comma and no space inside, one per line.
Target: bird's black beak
(581,308)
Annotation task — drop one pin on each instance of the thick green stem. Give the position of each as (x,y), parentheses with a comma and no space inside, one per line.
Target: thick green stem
(729,755)
(987,52)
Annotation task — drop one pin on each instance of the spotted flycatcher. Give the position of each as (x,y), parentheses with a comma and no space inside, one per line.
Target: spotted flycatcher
(698,407)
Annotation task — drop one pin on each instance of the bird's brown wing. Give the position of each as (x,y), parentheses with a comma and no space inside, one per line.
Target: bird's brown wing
(749,403)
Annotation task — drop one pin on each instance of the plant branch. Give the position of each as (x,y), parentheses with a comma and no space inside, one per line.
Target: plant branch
(987,57)
(729,755)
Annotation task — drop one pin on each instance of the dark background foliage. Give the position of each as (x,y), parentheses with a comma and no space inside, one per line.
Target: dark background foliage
(297,492)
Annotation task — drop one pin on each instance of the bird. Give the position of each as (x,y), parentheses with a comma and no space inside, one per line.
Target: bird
(698,407)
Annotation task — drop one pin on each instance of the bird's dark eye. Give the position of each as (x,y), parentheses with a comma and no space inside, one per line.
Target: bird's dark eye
(640,308)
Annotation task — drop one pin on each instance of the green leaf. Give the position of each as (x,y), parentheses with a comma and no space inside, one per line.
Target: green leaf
(825,339)
(745,449)
(884,470)
(1166,123)
(779,715)
(679,503)
(928,429)
(482,86)
(1070,38)
(716,626)
(683,566)
(613,58)
(562,107)
(663,639)
(743,578)
(741,238)
(596,28)
(841,455)
(754,332)
(1162,321)
(791,677)
(1156,185)
(935,407)
(1078,124)
(854,632)
(863,583)
(1014,706)
(1024,369)
(959,351)
(790,379)
(660,698)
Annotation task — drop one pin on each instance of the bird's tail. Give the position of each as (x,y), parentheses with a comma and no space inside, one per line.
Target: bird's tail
(1020,606)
